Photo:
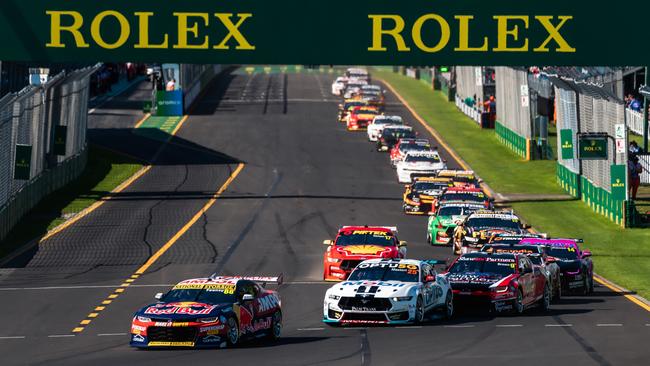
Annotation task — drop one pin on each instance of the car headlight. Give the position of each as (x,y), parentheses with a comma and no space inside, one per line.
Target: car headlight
(333,297)
(500,289)
(143,319)
(208,320)
(403,298)
(333,260)
(415,199)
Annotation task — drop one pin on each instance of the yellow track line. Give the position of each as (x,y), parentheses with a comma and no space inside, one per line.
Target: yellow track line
(122,288)
(433,132)
(619,290)
(141,121)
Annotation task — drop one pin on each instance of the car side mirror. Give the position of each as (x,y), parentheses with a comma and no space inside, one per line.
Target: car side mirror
(429,278)
(586,253)
(158,296)
(327,242)
(247,298)
(551,260)
(402,243)
(526,226)
(528,270)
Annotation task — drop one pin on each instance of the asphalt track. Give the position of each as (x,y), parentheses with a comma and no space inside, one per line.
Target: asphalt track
(304,176)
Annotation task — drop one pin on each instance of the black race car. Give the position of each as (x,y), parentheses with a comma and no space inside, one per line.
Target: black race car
(392,134)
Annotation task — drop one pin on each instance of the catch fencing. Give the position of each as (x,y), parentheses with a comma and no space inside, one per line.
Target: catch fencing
(634,121)
(44,129)
(472,89)
(585,108)
(513,126)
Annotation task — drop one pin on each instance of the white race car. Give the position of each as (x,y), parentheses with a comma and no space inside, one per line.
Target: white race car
(358,74)
(339,84)
(419,164)
(378,123)
(388,291)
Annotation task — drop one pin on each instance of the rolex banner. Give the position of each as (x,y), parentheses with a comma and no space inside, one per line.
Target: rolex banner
(372,32)
(566,140)
(618,182)
(23,162)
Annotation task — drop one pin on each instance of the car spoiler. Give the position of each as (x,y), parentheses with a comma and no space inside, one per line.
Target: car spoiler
(436,262)
(260,279)
(393,229)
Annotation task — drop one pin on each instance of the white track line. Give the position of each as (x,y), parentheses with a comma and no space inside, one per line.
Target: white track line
(409,327)
(13,337)
(459,326)
(356,328)
(558,325)
(509,325)
(60,336)
(609,325)
(110,334)
(310,329)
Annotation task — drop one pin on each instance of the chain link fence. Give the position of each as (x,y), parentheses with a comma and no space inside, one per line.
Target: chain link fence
(44,128)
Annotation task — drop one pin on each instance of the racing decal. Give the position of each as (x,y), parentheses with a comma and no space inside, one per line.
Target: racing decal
(212,330)
(474,278)
(211,339)
(372,283)
(187,308)
(389,265)
(267,303)
(258,325)
(171,344)
(137,338)
(363,249)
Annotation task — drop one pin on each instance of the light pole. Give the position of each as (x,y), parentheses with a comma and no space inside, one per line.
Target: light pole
(645,91)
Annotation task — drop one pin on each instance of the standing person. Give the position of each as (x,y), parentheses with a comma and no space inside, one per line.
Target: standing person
(634,148)
(634,170)
(171,85)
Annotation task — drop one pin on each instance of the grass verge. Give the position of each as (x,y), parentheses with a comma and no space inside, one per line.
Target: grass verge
(104,171)
(620,255)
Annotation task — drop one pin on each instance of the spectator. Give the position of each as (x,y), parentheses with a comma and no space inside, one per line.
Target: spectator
(634,170)
(635,105)
(171,85)
(634,148)
(492,105)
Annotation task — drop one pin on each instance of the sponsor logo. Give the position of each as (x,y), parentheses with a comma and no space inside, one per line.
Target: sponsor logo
(211,339)
(364,249)
(180,308)
(137,338)
(137,329)
(171,344)
(268,302)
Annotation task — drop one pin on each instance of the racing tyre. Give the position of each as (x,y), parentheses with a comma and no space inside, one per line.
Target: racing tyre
(590,288)
(449,306)
(276,327)
(518,305)
(585,287)
(429,239)
(557,296)
(232,332)
(545,302)
(419,311)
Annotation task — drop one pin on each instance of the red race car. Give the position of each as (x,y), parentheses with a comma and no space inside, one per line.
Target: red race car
(354,244)
(360,117)
(465,195)
(504,282)
(398,152)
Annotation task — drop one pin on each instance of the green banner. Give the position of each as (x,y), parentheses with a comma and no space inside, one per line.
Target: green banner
(566,141)
(23,162)
(372,32)
(60,138)
(619,190)
(592,147)
(169,103)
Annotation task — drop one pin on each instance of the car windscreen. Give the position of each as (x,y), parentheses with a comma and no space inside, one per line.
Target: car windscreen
(388,121)
(481,265)
(206,295)
(397,134)
(414,147)
(365,237)
(493,222)
(450,211)
(366,111)
(472,197)
(400,272)
(421,159)
(426,186)
(566,253)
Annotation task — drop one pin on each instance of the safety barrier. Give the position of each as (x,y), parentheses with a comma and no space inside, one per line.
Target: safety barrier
(520,145)
(568,180)
(601,201)
(634,121)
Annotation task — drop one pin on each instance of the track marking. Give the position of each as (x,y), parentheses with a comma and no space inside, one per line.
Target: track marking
(116,293)
(558,325)
(141,121)
(609,325)
(434,133)
(622,291)
(110,334)
(310,329)
(60,336)
(459,326)
(409,327)
(356,328)
(509,325)
(12,337)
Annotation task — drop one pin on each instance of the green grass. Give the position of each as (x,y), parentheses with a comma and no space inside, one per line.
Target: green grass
(104,171)
(500,167)
(620,255)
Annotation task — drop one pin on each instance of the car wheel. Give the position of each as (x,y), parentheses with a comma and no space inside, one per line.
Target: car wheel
(449,306)
(518,306)
(558,291)
(419,311)
(429,239)
(591,284)
(232,332)
(585,286)
(545,302)
(276,326)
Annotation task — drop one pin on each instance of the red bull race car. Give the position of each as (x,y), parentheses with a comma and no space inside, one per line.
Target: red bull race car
(217,311)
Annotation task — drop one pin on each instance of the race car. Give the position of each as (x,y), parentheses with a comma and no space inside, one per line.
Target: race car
(347,107)
(500,282)
(388,291)
(419,195)
(537,255)
(480,226)
(357,73)
(441,224)
(339,84)
(379,122)
(217,311)
(354,244)
(576,266)
(353,88)
(391,134)
(513,239)
(403,146)
(461,178)
(419,164)
(465,195)
(360,117)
